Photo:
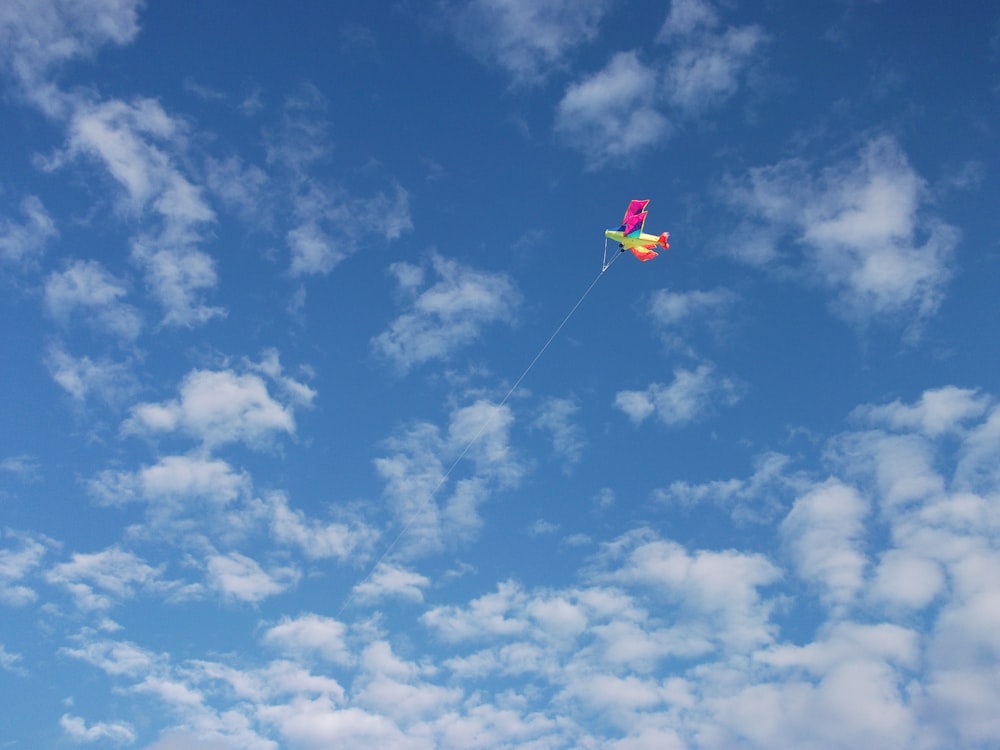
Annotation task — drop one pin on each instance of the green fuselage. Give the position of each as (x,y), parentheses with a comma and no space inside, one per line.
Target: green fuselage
(640,240)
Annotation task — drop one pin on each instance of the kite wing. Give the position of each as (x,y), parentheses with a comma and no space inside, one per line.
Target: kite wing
(635,218)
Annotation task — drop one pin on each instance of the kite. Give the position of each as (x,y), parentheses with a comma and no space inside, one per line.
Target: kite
(630,236)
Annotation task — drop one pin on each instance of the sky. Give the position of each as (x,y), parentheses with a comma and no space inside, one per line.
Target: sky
(323,427)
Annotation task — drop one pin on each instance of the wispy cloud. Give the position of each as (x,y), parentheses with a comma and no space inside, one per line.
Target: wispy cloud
(707,67)
(22,243)
(86,291)
(119,733)
(526,38)
(99,580)
(439,509)
(609,115)
(82,377)
(446,315)
(557,418)
(691,395)
(35,37)
(21,555)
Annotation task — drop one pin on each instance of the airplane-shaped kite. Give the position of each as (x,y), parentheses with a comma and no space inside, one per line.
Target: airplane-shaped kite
(630,235)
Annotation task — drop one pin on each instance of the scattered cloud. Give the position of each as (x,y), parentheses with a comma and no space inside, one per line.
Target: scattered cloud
(691,395)
(82,377)
(391,581)
(99,580)
(707,70)
(239,577)
(556,418)
(218,407)
(23,243)
(609,116)
(446,315)
(21,555)
(85,290)
(434,512)
(863,227)
(526,38)
(118,733)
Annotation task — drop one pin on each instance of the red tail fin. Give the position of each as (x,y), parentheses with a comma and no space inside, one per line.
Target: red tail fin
(663,241)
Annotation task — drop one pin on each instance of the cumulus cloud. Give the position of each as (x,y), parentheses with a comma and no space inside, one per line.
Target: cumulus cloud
(311,634)
(690,395)
(863,226)
(446,315)
(825,531)
(237,576)
(219,407)
(391,581)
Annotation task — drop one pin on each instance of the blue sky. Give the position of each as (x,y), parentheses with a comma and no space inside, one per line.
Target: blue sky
(270,275)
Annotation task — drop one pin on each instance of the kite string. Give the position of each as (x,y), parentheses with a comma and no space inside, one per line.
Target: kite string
(479,434)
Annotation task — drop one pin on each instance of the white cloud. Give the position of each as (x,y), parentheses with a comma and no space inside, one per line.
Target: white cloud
(327,228)
(119,733)
(863,228)
(317,540)
(609,117)
(687,16)
(709,587)
(704,74)
(311,634)
(446,315)
(217,407)
(432,512)
(939,410)
(86,290)
(10,661)
(171,479)
(527,38)
(757,498)
(99,580)
(825,532)
(691,395)
(676,314)
(141,147)
(391,581)
(556,417)
(20,556)
(22,244)
(177,277)
(240,577)
(35,36)
(83,377)
(325,216)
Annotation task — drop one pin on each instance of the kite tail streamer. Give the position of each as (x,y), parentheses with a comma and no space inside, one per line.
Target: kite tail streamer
(479,434)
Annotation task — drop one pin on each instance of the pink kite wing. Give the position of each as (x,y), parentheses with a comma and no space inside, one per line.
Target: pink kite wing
(635,217)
